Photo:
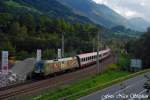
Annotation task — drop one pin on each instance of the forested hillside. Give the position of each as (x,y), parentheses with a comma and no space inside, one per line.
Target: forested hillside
(24,29)
(27,25)
(140,48)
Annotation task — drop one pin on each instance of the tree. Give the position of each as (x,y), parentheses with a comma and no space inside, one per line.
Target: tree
(22,55)
(14,29)
(141,47)
(5,18)
(148,29)
(7,46)
(62,25)
(23,32)
(49,54)
(28,21)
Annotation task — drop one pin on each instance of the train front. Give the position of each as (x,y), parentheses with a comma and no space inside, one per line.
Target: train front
(39,68)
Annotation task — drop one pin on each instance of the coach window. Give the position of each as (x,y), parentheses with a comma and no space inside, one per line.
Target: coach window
(82,59)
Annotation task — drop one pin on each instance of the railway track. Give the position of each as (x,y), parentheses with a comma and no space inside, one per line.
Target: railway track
(53,82)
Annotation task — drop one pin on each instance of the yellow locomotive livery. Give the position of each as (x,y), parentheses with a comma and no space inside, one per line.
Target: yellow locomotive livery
(52,66)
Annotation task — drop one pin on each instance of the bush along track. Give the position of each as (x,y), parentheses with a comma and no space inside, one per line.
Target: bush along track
(87,86)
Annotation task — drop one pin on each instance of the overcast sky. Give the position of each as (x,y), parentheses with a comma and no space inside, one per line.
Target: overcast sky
(129,8)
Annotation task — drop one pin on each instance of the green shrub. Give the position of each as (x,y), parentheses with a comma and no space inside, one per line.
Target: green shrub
(113,67)
(22,55)
(49,54)
(124,61)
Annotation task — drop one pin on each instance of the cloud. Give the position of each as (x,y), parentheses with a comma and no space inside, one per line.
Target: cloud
(129,8)
(130,13)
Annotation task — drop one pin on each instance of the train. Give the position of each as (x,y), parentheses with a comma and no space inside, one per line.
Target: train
(48,67)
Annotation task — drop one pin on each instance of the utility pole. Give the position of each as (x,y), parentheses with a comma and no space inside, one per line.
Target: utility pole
(101,48)
(62,45)
(101,39)
(93,45)
(98,69)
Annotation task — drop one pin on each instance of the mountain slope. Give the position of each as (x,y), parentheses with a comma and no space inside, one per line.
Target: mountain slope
(103,15)
(51,8)
(100,14)
(138,24)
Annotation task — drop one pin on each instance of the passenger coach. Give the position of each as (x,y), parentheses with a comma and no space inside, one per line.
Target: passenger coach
(91,58)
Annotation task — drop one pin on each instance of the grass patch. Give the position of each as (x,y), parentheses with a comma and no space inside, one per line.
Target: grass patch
(99,87)
(113,67)
(77,87)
